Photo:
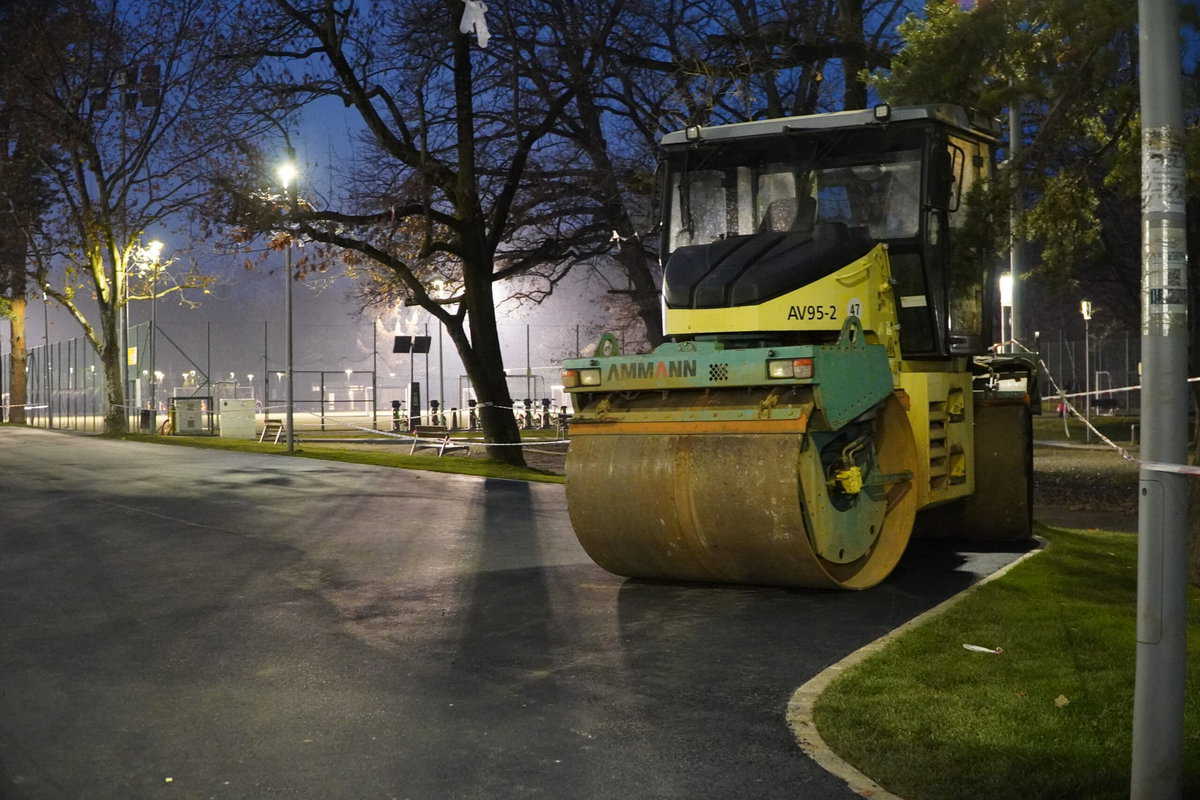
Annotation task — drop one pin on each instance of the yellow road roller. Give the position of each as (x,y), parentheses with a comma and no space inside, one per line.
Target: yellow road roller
(826,385)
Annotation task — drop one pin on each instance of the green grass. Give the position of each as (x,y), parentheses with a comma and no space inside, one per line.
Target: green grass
(378,456)
(929,720)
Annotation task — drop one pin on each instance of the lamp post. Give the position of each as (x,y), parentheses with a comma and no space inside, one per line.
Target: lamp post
(1006,305)
(287,176)
(1085,308)
(46,359)
(154,251)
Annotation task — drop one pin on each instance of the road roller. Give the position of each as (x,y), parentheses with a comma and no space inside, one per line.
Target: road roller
(826,386)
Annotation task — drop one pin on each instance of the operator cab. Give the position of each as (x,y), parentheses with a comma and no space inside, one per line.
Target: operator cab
(755,210)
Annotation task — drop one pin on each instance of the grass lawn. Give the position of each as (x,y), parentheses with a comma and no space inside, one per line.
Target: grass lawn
(928,719)
(381,456)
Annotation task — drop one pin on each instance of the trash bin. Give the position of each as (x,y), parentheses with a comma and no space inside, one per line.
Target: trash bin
(147,420)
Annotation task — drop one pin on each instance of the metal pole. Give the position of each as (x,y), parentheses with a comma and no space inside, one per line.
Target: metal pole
(429,390)
(266,371)
(1016,246)
(1157,757)
(291,439)
(441,372)
(374,371)
(1125,375)
(528,366)
(46,368)
(153,348)
(1087,381)
(578,351)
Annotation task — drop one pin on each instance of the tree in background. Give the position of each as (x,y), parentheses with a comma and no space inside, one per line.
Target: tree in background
(23,196)
(438,206)
(641,68)
(1071,69)
(133,106)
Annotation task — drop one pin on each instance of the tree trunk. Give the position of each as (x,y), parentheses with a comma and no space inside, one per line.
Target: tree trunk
(850,13)
(116,421)
(484,363)
(646,296)
(17,397)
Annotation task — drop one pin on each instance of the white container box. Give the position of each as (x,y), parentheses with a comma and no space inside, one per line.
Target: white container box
(236,418)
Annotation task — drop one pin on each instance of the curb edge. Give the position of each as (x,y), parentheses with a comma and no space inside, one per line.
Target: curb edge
(800,706)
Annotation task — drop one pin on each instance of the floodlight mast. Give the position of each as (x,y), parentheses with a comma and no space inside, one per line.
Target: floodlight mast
(1157,753)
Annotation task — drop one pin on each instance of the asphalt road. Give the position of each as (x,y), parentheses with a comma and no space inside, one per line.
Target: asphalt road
(189,623)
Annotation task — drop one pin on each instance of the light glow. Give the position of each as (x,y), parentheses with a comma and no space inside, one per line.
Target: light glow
(286,173)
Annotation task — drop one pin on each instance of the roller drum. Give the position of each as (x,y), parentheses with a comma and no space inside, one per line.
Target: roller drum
(739,508)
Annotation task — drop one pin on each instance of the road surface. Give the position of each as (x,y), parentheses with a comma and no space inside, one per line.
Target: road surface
(177,622)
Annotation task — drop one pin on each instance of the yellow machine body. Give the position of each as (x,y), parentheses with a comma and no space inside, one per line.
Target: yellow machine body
(787,440)
(936,395)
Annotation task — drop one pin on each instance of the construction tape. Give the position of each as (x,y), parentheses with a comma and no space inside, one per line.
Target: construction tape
(26,407)
(1154,466)
(411,438)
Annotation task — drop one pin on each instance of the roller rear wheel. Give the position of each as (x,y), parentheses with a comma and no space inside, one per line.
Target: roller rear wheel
(772,509)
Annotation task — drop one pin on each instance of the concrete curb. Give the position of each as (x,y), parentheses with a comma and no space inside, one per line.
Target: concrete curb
(800,706)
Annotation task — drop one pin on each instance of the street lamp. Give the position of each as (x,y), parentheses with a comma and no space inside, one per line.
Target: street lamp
(1085,308)
(152,252)
(286,173)
(1006,302)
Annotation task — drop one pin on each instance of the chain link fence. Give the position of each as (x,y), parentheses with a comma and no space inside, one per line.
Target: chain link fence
(346,376)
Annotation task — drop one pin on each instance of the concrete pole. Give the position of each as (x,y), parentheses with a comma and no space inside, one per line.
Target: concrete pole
(1157,768)
(1016,246)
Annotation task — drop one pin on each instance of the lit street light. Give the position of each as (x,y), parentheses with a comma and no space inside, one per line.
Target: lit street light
(286,173)
(1006,302)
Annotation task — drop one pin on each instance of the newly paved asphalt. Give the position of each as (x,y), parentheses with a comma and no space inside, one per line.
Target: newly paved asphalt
(189,623)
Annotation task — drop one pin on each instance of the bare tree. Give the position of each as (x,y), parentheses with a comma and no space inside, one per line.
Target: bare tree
(23,197)
(440,208)
(135,105)
(639,68)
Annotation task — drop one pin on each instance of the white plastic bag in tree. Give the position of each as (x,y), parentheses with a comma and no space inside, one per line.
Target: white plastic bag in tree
(474,21)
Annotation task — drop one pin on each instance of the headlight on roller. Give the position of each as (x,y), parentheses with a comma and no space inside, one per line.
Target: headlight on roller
(574,378)
(790,368)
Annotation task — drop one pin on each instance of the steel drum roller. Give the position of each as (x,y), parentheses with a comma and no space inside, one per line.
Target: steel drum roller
(739,508)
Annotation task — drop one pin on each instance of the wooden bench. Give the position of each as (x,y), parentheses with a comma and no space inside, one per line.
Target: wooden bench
(439,432)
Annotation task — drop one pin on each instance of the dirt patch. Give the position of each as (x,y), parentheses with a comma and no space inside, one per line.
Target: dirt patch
(1090,488)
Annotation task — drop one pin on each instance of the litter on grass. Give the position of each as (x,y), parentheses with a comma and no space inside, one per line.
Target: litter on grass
(974,648)
(1061,700)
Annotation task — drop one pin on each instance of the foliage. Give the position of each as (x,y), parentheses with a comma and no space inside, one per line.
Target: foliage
(1071,69)
(1066,623)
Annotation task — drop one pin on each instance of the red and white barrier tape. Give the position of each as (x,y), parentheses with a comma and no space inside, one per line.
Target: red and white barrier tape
(482,442)
(1155,466)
